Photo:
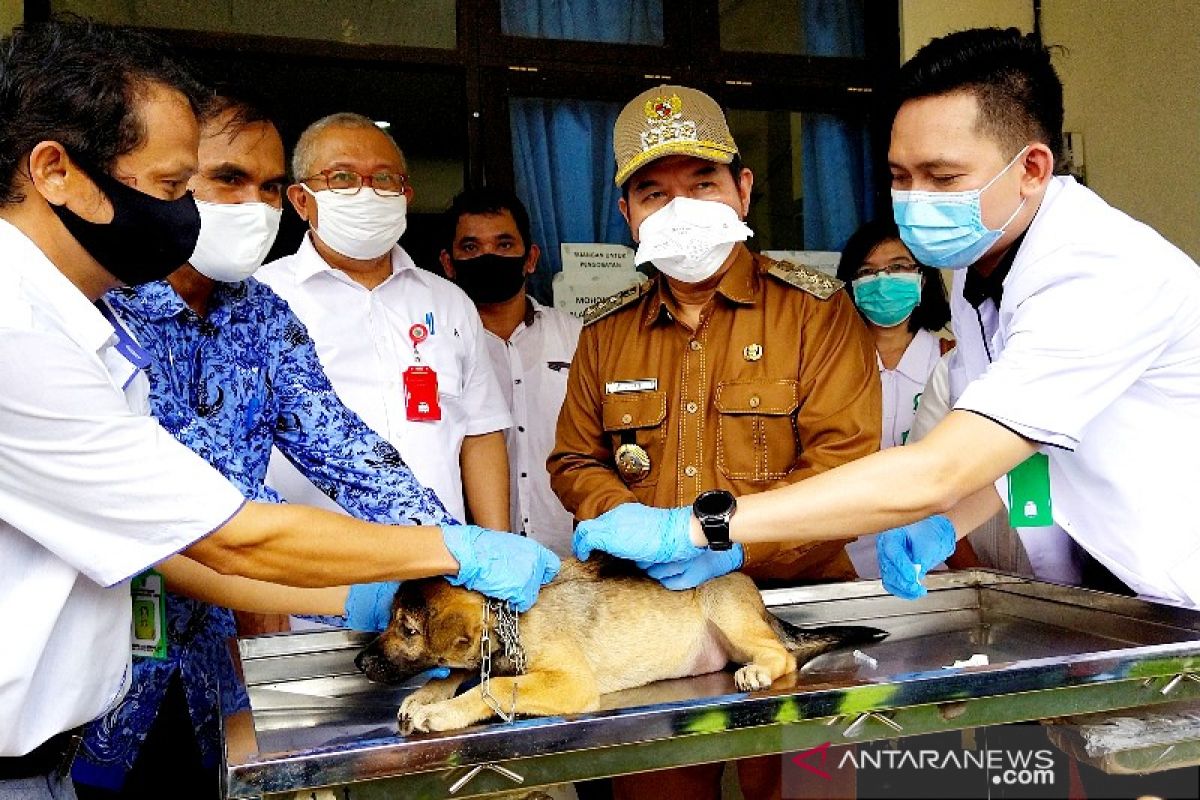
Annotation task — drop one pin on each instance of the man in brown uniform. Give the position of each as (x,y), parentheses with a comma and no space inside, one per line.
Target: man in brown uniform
(726,371)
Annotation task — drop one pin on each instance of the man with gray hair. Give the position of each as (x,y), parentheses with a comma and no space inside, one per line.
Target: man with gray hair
(404,348)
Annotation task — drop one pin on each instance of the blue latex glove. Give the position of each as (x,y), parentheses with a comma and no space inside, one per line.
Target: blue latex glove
(369,605)
(505,566)
(691,572)
(927,543)
(638,533)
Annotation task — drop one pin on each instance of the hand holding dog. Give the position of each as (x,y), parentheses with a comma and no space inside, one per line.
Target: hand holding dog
(502,565)
(369,605)
(691,572)
(639,533)
(927,543)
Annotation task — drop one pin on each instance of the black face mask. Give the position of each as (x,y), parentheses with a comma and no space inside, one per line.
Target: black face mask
(148,238)
(490,278)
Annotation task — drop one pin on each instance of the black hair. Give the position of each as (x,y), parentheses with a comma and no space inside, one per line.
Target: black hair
(1020,95)
(487,200)
(735,169)
(247,106)
(933,311)
(78,83)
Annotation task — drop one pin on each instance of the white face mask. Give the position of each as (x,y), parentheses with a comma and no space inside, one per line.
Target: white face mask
(234,239)
(361,226)
(689,240)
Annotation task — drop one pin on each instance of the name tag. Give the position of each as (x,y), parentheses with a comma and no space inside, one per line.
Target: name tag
(1029,493)
(149,615)
(638,385)
(421,394)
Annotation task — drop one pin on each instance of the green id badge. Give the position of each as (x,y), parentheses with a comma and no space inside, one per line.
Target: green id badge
(1029,493)
(149,615)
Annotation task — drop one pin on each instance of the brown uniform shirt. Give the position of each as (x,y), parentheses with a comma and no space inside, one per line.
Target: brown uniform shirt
(774,385)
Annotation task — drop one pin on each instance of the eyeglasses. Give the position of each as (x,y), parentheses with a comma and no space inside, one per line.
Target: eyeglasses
(344,181)
(899,268)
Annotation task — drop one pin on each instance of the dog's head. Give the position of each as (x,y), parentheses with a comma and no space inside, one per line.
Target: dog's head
(433,624)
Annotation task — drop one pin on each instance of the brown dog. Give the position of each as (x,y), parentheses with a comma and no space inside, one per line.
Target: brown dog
(599,627)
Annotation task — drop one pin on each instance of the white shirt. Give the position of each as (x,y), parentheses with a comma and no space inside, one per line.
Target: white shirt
(92,492)
(362,338)
(902,388)
(1046,553)
(532,368)
(1095,352)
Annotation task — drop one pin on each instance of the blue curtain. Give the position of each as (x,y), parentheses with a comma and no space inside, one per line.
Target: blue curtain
(837,152)
(616,21)
(562,149)
(564,168)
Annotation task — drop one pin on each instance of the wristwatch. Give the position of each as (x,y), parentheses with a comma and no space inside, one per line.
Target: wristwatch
(714,509)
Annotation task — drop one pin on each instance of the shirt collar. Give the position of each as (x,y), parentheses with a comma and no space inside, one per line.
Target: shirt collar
(158,301)
(76,316)
(309,262)
(914,364)
(739,285)
(977,288)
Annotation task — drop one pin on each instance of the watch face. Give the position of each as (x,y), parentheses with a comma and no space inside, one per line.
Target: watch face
(713,503)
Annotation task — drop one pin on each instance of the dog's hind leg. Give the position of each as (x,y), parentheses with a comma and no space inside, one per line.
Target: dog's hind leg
(736,611)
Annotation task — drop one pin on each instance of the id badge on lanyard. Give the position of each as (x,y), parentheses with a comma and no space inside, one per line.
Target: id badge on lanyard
(1029,493)
(420,383)
(149,592)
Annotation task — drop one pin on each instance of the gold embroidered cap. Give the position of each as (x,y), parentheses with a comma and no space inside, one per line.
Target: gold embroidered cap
(667,121)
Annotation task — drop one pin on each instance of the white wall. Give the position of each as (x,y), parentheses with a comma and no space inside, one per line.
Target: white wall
(1131,80)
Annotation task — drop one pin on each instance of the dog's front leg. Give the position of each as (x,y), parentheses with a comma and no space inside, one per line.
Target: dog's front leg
(434,691)
(539,694)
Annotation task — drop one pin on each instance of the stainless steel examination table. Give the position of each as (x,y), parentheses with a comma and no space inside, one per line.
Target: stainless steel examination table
(1054,652)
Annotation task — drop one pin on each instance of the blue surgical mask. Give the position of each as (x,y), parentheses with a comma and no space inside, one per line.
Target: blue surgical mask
(945,229)
(887,300)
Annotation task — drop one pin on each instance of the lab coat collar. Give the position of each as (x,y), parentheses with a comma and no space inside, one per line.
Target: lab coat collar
(922,351)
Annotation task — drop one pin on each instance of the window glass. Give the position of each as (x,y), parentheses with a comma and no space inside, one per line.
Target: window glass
(812,177)
(614,21)
(411,23)
(795,27)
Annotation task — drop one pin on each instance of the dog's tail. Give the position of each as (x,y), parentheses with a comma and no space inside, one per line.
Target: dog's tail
(808,643)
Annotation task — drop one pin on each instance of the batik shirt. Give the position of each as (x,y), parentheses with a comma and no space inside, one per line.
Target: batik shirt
(230,386)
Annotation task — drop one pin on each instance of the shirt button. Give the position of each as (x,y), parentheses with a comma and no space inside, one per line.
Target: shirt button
(754,401)
(691,408)
(690,471)
(521,428)
(694,344)
(524,475)
(626,419)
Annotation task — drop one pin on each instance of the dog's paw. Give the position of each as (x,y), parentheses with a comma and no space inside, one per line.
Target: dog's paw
(752,677)
(432,718)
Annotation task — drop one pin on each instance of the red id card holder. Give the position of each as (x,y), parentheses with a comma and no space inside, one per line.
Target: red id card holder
(421,394)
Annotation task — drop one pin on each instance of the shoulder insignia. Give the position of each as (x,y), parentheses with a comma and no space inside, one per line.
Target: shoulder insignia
(601,309)
(806,279)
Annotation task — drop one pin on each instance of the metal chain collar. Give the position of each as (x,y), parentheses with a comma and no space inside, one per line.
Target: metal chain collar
(509,633)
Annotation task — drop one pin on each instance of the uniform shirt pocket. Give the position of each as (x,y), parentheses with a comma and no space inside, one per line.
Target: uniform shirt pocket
(637,418)
(756,429)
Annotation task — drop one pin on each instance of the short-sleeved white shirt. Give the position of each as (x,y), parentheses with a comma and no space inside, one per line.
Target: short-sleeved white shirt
(362,339)
(1095,352)
(92,492)
(532,369)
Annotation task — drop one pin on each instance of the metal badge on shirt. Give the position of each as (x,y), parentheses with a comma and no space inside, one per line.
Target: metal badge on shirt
(420,383)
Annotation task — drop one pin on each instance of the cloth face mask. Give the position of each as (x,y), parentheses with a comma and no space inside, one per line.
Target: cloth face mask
(945,229)
(490,278)
(234,239)
(361,226)
(887,300)
(689,240)
(147,239)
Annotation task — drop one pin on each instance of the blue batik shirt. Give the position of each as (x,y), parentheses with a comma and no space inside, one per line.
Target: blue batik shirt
(230,386)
